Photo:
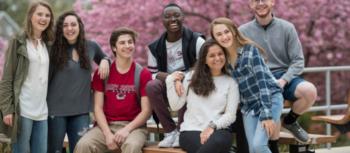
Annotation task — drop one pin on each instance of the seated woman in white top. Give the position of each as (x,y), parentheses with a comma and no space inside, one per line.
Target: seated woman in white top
(211,96)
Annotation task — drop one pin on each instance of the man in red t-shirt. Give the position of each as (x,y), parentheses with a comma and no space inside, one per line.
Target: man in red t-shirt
(120,117)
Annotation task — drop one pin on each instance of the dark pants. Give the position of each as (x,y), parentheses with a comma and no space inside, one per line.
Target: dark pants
(241,139)
(156,91)
(74,126)
(219,142)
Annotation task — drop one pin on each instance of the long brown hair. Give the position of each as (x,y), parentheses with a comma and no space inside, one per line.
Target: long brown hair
(202,81)
(48,34)
(241,40)
(59,54)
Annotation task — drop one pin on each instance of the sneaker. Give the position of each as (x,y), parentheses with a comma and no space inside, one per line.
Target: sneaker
(299,133)
(176,143)
(168,140)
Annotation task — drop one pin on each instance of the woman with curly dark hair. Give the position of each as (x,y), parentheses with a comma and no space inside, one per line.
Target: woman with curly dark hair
(69,94)
(212,97)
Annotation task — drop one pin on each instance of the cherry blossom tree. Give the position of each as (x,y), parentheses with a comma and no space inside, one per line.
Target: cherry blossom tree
(322,25)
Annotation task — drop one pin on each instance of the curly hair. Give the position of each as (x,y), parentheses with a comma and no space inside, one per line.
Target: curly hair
(59,53)
(202,81)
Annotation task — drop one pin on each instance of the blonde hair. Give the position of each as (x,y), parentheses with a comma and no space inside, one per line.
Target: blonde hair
(241,40)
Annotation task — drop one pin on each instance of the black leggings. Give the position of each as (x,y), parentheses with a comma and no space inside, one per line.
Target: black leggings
(219,142)
(238,128)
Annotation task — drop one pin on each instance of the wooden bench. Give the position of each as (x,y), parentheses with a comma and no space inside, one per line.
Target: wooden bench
(152,128)
(315,139)
(153,148)
(341,122)
(297,147)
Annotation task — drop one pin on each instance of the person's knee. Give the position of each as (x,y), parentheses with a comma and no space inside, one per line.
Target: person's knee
(259,147)
(83,145)
(308,91)
(132,146)
(224,139)
(154,87)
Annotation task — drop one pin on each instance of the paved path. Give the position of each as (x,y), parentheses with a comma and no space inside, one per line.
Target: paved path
(345,149)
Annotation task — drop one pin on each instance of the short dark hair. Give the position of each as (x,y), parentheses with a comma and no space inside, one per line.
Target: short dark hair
(172,5)
(121,31)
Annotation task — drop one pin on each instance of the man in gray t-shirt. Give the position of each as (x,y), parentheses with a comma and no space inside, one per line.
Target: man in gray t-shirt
(285,58)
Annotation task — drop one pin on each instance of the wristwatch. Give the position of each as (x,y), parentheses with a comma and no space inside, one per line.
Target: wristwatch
(212,125)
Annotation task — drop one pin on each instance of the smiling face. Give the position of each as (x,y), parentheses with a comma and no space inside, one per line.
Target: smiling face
(40,19)
(71,29)
(172,19)
(215,59)
(223,35)
(124,46)
(262,8)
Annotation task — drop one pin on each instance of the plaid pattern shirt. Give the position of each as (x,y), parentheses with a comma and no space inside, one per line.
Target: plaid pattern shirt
(256,82)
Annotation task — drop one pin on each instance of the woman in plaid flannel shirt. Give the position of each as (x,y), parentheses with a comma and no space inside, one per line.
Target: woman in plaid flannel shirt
(260,95)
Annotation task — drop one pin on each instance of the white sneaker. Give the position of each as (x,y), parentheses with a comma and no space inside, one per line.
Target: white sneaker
(176,143)
(168,140)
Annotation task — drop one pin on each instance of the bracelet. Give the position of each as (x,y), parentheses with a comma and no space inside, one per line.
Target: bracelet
(212,125)
(108,59)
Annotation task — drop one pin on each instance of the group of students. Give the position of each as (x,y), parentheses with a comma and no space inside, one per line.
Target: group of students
(235,81)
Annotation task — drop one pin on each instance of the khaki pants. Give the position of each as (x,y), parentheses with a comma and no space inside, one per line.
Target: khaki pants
(94,140)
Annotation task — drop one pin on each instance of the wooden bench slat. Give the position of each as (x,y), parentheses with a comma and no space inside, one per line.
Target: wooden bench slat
(287,104)
(333,119)
(288,138)
(4,138)
(155,149)
(152,128)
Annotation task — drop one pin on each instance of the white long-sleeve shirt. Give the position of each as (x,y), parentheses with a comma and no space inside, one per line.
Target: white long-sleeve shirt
(220,106)
(32,98)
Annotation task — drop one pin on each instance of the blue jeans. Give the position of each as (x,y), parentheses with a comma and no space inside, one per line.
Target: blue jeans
(256,134)
(74,126)
(32,136)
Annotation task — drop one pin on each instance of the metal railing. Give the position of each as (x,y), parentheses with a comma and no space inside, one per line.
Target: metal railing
(328,107)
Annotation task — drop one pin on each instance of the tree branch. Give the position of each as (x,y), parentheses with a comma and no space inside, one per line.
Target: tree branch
(206,18)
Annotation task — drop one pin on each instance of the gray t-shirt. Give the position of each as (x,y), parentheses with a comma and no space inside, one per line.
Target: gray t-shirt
(69,91)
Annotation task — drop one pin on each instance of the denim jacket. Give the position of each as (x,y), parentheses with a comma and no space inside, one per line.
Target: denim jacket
(256,82)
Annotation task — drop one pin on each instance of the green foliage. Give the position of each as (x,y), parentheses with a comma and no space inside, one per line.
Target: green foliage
(5,148)
(18,8)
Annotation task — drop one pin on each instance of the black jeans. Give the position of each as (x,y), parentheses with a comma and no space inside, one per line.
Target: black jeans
(219,142)
(238,128)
